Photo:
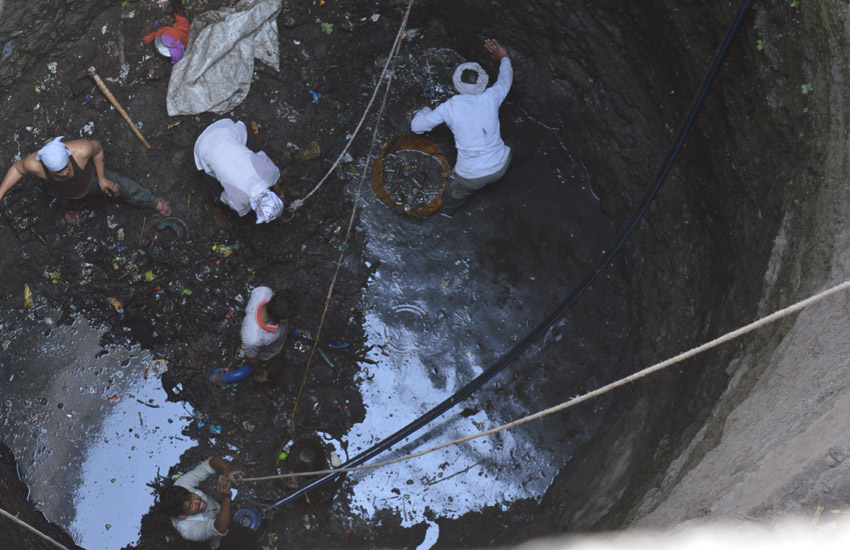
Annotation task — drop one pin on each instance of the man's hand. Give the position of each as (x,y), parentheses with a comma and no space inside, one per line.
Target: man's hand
(496,50)
(235,476)
(223,486)
(109,187)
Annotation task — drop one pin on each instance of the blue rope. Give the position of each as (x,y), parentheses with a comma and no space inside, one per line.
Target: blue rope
(575,294)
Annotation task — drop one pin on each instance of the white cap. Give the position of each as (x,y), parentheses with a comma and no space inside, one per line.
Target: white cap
(54,155)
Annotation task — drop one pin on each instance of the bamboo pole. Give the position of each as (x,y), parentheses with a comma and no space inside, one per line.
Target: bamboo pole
(100,84)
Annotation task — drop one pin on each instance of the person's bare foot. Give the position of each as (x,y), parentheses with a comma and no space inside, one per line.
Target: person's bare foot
(261,375)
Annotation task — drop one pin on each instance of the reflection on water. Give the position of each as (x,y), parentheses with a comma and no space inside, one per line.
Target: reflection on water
(446,299)
(88,429)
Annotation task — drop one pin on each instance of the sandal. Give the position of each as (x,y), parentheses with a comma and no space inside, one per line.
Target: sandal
(162,207)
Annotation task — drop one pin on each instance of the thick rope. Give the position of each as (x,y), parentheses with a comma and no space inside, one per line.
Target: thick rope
(773,317)
(344,246)
(298,203)
(33,529)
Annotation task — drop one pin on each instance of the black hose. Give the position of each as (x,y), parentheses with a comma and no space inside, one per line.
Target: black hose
(593,272)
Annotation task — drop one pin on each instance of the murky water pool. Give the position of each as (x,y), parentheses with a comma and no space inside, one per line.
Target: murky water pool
(447,298)
(88,428)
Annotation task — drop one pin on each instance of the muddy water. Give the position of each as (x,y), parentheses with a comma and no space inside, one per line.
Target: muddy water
(447,298)
(88,428)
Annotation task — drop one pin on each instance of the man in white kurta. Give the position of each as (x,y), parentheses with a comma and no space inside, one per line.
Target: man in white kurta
(473,117)
(246,176)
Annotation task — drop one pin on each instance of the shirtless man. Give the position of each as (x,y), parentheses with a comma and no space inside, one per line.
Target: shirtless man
(76,169)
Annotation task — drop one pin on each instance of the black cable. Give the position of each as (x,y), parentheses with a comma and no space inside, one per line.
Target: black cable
(593,272)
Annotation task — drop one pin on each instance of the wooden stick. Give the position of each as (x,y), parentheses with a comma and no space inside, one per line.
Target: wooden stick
(93,73)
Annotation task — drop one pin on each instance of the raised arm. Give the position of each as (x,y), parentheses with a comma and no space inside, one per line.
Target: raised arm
(222,520)
(506,71)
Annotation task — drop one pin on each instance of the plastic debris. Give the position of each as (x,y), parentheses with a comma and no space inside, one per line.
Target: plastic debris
(27,296)
(254,129)
(316,96)
(157,367)
(149,275)
(311,151)
(119,307)
(223,249)
(113,399)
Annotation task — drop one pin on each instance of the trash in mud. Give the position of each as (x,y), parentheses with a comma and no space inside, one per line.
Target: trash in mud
(410,175)
(223,249)
(311,151)
(167,242)
(27,296)
(119,307)
(157,367)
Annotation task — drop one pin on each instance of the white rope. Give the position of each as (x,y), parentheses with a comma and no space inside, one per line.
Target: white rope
(33,529)
(597,392)
(298,203)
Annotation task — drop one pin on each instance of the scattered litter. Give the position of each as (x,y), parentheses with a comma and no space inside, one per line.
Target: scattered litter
(316,96)
(254,129)
(157,367)
(119,307)
(223,249)
(410,175)
(311,151)
(88,129)
(27,296)
(113,399)
(375,17)
(327,28)
(103,30)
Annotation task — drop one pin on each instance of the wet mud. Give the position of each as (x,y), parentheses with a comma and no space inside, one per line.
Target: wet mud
(171,292)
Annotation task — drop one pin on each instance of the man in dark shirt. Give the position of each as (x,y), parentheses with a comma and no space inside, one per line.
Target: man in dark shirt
(76,169)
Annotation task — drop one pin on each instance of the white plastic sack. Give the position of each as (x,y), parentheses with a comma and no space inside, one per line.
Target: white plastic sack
(216,71)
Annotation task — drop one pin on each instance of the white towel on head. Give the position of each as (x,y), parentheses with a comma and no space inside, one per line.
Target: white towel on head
(54,155)
(267,205)
(480,84)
